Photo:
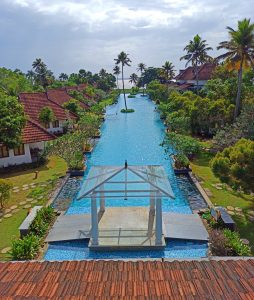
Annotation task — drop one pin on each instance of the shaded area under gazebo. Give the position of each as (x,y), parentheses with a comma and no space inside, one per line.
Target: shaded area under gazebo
(126,227)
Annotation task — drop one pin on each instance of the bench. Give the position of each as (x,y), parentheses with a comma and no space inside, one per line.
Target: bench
(24,227)
(222,214)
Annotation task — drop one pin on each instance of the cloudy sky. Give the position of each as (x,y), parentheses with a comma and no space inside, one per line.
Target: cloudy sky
(73,34)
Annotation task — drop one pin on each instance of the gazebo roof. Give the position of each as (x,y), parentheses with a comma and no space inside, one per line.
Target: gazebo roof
(126,181)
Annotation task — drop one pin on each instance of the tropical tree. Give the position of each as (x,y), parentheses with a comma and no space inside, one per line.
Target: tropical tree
(63,77)
(117,72)
(30,76)
(46,115)
(42,74)
(12,121)
(124,60)
(5,191)
(133,78)
(240,53)
(196,54)
(102,73)
(168,72)
(141,68)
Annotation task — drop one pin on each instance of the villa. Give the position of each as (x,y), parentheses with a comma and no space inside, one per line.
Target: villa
(186,78)
(34,137)
(33,104)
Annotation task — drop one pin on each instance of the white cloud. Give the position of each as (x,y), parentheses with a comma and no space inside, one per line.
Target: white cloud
(96,12)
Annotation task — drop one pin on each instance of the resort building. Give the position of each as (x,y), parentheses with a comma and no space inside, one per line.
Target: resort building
(190,279)
(35,102)
(186,79)
(61,96)
(34,137)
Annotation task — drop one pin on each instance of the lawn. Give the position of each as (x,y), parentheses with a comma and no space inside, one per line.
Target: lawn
(55,168)
(225,197)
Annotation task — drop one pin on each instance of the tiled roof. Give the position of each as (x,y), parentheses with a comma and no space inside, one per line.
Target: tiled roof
(34,132)
(34,102)
(204,72)
(229,279)
(61,96)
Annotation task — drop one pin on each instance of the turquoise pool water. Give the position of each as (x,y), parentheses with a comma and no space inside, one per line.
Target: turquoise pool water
(134,137)
(77,250)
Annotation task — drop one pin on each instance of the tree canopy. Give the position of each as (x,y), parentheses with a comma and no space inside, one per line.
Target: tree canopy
(12,121)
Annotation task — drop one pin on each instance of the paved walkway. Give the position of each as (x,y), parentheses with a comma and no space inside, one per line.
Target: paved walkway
(188,227)
(126,226)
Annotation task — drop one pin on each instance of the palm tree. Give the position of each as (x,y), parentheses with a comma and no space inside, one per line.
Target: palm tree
(133,78)
(30,75)
(197,54)
(141,68)
(117,72)
(240,53)
(168,72)
(63,77)
(124,60)
(102,73)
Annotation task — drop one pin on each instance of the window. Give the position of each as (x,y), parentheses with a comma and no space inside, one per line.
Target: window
(55,124)
(19,150)
(47,125)
(4,151)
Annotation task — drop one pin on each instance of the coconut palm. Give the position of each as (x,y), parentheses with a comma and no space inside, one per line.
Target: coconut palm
(197,54)
(102,73)
(117,72)
(63,77)
(240,53)
(133,78)
(168,72)
(124,60)
(141,68)
(30,75)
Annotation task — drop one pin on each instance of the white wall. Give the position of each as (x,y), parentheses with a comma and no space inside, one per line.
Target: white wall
(38,145)
(57,129)
(16,160)
(200,82)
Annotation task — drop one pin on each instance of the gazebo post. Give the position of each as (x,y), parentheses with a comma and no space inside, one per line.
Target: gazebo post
(94,219)
(102,199)
(158,224)
(152,201)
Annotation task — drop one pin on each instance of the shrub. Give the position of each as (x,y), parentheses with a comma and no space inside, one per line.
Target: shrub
(234,165)
(26,248)
(235,244)
(41,222)
(129,110)
(183,144)
(181,161)
(218,243)
(5,189)
(131,96)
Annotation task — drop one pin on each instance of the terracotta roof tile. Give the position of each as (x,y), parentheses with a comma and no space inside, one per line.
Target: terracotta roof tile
(34,132)
(204,72)
(34,102)
(61,96)
(227,279)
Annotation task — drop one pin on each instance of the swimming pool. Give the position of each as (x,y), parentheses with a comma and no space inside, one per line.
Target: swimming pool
(137,138)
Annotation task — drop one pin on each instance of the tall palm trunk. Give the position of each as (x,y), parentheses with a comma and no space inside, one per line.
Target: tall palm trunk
(239,91)
(196,76)
(124,90)
(117,82)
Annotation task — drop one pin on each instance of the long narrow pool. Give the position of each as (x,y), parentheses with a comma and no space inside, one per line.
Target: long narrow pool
(137,138)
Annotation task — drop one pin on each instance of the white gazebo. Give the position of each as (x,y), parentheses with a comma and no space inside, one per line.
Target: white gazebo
(124,182)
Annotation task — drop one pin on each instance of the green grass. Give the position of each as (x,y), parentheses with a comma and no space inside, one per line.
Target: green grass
(55,168)
(226,196)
